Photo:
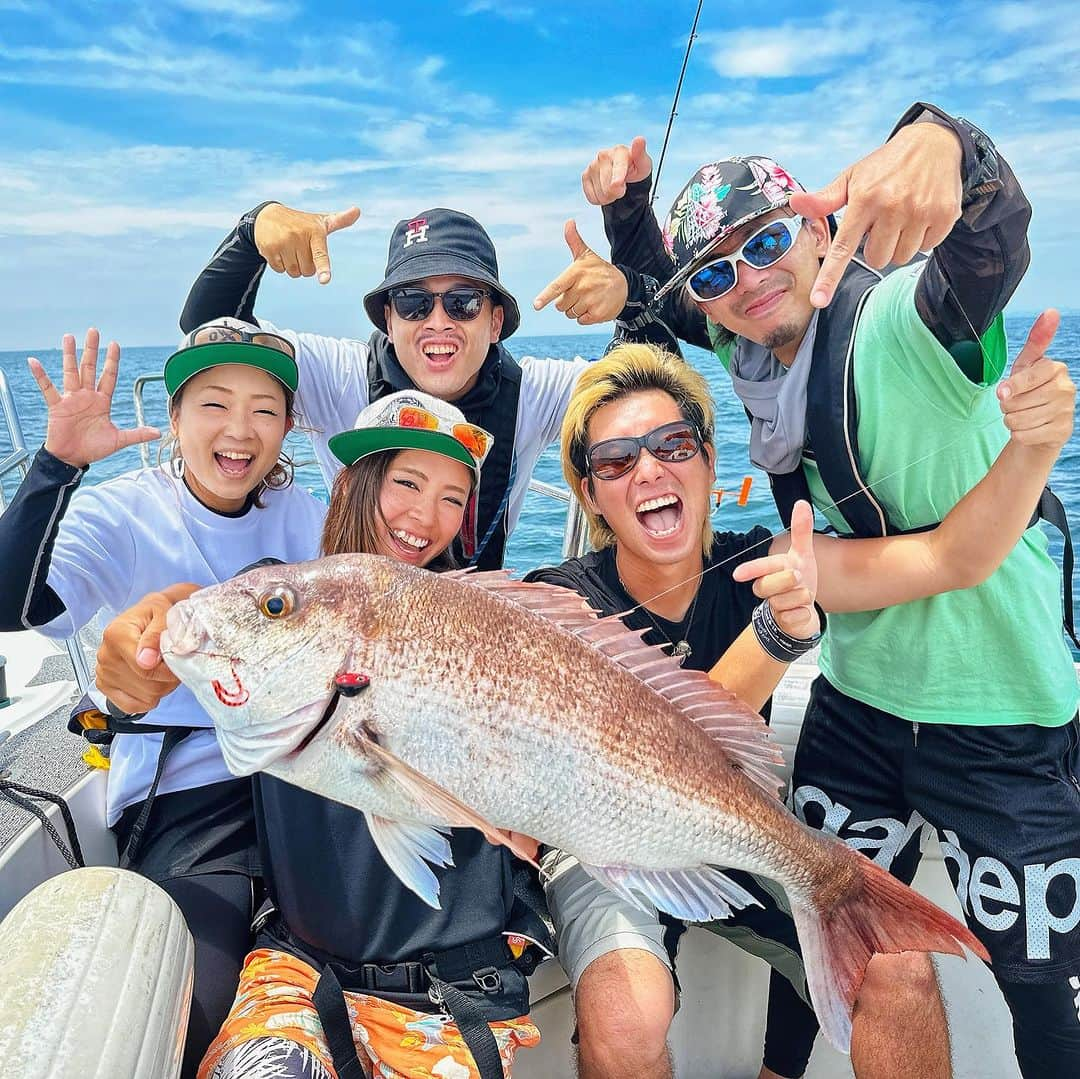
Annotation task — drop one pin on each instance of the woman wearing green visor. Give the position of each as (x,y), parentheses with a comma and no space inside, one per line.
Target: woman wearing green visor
(220,499)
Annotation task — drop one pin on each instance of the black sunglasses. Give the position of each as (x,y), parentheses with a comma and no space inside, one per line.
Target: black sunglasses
(614,457)
(462,303)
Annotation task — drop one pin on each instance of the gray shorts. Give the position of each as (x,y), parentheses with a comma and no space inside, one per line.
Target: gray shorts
(591,921)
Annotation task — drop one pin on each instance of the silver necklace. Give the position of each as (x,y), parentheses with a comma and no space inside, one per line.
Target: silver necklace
(680,649)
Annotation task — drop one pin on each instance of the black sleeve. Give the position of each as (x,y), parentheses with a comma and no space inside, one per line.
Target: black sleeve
(973,272)
(28,529)
(637,248)
(230,282)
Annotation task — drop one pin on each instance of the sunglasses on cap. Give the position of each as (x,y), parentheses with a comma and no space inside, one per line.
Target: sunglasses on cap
(475,439)
(670,443)
(462,303)
(216,333)
(765,247)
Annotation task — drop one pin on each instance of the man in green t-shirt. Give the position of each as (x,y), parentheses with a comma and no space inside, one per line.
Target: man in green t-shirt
(876,396)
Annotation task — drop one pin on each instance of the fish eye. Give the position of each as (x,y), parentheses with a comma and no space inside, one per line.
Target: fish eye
(278,602)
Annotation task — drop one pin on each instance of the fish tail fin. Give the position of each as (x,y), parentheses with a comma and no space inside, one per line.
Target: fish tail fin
(878,914)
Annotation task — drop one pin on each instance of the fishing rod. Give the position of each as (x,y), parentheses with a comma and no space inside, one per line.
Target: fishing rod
(675,103)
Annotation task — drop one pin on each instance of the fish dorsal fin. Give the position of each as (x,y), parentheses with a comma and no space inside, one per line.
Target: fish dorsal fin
(741,732)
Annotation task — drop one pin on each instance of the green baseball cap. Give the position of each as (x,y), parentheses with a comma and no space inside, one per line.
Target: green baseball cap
(229,340)
(412,420)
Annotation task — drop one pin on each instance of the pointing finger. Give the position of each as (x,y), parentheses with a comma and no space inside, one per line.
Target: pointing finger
(556,288)
(342,219)
(841,251)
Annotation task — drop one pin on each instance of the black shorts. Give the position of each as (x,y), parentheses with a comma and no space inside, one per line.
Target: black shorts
(1003,800)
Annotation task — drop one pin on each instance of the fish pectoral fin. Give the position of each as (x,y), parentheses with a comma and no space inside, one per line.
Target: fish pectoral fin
(701,894)
(407,847)
(440,803)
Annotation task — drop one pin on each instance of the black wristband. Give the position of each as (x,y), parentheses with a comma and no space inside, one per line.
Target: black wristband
(777,643)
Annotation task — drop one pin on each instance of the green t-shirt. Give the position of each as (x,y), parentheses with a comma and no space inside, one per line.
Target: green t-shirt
(993,654)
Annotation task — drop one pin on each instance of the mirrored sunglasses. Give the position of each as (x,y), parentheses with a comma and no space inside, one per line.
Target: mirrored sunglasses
(670,443)
(217,334)
(475,439)
(462,304)
(765,247)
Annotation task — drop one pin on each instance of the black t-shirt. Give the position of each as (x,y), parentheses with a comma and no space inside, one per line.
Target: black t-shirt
(337,895)
(723,607)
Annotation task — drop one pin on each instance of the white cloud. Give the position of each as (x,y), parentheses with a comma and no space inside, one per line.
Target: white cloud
(127,226)
(239,9)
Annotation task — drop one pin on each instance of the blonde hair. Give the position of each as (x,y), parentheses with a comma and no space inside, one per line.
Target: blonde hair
(629,369)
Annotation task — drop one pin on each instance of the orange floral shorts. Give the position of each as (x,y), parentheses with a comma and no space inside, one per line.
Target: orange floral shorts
(273,1014)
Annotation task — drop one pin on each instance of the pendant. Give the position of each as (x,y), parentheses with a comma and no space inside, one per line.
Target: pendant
(681,650)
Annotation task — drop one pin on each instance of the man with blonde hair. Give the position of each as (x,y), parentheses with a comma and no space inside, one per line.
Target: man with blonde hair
(638,450)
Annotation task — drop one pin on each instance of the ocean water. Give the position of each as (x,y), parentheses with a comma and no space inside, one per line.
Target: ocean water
(538,538)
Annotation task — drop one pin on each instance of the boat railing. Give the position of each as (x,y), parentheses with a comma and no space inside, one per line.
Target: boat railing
(575,529)
(18,460)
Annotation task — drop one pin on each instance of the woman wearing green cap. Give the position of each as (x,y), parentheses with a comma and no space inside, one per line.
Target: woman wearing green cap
(345,952)
(221,501)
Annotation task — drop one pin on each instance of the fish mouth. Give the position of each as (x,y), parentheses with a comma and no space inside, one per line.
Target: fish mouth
(320,725)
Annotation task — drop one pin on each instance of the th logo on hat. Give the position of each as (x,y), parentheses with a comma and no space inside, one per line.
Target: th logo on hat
(416,232)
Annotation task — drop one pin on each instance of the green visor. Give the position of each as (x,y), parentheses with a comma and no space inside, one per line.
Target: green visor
(185,363)
(350,446)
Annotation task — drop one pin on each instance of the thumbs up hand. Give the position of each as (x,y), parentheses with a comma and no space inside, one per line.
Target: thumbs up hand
(295,242)
(789,580)
(1038,399)
(590,289)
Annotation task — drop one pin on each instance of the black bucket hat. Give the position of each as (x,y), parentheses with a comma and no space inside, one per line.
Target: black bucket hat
(436,243)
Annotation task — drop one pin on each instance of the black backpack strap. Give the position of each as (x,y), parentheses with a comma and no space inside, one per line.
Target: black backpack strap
(173,737)
(1052,512)
(479,961)
(499,418)
(329,1001)
(469,1019)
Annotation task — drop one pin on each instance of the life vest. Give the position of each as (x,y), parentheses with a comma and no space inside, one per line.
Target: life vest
(491,404)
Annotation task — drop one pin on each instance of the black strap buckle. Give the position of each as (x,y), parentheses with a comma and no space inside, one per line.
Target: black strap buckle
(488,979)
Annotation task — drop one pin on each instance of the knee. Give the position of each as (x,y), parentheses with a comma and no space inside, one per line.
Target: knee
(624,1002)
(895,982)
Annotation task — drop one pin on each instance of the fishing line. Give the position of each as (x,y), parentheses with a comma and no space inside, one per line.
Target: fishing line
(870,487)
(834,505)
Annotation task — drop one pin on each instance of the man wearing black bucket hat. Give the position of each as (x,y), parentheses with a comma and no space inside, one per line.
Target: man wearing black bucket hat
(875,395)
(441,316)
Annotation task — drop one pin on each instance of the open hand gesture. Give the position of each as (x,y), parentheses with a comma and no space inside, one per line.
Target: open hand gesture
(80,429)
(789,580)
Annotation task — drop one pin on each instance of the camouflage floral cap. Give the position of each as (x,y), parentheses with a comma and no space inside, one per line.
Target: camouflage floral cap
(720,198)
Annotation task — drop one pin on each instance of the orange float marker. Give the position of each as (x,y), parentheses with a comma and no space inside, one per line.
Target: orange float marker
(744,491)
(718,493)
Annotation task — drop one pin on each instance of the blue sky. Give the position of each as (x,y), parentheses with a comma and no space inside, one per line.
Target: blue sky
(134,136)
